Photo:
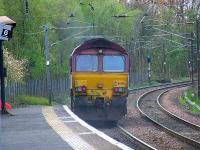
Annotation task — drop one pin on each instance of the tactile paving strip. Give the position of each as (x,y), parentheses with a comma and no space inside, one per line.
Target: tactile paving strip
(64,132)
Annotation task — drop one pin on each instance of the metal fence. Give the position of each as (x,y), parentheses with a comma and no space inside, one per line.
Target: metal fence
(59,88)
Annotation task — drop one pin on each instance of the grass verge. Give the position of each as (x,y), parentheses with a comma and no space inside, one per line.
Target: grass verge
(190,95)
(24,100)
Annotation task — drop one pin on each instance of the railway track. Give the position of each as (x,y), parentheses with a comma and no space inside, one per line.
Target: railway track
(137,142)
(149,105)
(120,134)
(159,102)
(123,136)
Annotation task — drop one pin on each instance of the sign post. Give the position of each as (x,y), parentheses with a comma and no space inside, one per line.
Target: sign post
(149,68)
(6,27)
(3,109)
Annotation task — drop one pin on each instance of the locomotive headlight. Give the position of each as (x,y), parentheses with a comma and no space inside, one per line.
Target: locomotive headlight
(118,89)
(121,89)
(81,89)
(115,89)
(100,51)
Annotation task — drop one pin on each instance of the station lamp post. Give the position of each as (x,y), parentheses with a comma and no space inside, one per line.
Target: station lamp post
(6,27)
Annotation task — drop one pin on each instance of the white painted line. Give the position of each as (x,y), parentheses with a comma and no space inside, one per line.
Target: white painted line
(69,121)
(86,133)
(99,133)
(68,117)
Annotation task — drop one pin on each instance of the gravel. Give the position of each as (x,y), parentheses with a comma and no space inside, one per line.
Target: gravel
(170,101)
(145,130)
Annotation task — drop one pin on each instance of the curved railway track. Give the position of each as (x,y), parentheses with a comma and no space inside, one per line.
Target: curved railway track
(148,105)
(123,136)
(159,102)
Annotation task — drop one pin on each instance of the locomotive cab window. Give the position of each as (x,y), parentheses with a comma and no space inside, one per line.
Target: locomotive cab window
(86,63)
(113,63)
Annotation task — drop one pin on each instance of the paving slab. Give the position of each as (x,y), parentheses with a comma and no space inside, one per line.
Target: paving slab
(28,130)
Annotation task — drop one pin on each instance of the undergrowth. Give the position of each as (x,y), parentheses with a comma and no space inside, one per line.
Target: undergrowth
(191,95)
(24,100)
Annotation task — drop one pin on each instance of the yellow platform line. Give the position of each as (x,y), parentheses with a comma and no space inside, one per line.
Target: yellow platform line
(75,141)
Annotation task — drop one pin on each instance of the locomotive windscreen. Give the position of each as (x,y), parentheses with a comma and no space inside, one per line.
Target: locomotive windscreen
(86,63)
(113,63)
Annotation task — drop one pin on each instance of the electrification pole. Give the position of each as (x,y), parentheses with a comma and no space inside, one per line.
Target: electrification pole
(192,58)
(198,58)
(141,73)
(48,75)
(26,7)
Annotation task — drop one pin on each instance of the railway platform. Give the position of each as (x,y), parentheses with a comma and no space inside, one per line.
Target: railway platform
(50,128)
(28,129)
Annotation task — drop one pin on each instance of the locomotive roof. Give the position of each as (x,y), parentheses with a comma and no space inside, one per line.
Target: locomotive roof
(99,43)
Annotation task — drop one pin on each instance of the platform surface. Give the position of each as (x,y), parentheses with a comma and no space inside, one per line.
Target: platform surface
(28,130)
(51,128)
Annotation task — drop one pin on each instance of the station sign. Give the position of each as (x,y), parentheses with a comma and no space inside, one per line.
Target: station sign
(5,32)
(6,27)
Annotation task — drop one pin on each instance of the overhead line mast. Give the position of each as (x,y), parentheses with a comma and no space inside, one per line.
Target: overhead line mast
(198,58)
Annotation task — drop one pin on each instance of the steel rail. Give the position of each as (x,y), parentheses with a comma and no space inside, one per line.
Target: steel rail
(140,144)
(160,85)
(186,139)
(172,114)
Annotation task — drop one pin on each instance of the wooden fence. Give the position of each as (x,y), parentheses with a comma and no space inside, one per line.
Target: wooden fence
(59,88)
